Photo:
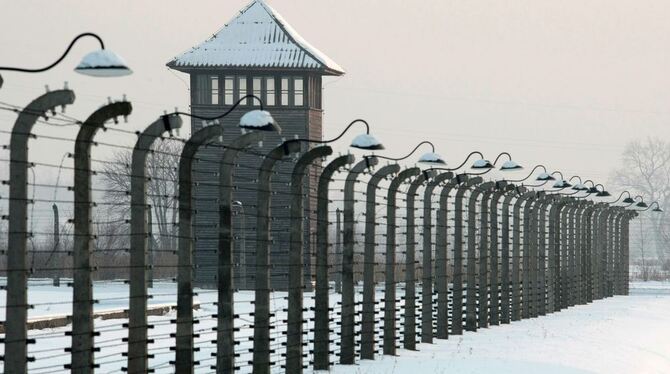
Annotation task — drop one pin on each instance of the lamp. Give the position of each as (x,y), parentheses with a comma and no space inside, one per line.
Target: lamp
(363,141)
(100,63)
(428,158)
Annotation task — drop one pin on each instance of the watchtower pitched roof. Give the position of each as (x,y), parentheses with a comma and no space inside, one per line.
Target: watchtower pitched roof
(258,37)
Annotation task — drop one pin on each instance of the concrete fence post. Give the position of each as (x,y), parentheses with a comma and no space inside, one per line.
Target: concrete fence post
(531,305)
(369,263)
(457,282)
(225,322)
(519,231)
(261,354)
(471,265)
(427,258)
(409,339)
(494,246)
(138,355)
(505,289)
(296,274)
(347,334)
(389,274)
(441,265)
(543,285)
(484,255)
(184,361)
(321,301)
(529,238)
(587,220)
(16,332)
(83,332)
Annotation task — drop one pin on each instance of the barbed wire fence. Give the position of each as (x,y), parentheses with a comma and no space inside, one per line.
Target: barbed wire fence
(99,250)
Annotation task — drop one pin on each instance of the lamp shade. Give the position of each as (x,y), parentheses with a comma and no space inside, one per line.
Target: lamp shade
(580,187)
(562,184)
(366,141)
(482,164)
(510,165)
(103,63)
(545,177)
(431,158)
(642,204)
(603,193)
(628,200)
(259,120)
(657,209)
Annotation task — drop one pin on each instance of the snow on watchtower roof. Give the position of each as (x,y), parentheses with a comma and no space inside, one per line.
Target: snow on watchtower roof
(258,37)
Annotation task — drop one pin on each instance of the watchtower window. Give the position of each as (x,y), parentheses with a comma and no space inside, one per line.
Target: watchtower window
(298,91)
(242,88)
(214,85)
(284,91)
(257,83)
(228,90)
(270,91)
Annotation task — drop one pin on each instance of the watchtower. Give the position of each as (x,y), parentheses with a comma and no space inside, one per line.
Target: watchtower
(259,53)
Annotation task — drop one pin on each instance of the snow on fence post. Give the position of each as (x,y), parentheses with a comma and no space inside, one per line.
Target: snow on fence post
(409,337)
(441,279)
(184,349)
(368,315)
(261,350)
(347,334)
(321,299)
(427,268)
(138,355)
(225,323)
(390,286)
(471,264)
(16,333)
(83,332)
(296,252)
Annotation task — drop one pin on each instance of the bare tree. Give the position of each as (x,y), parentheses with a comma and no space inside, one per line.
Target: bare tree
(161,188)
(645,170)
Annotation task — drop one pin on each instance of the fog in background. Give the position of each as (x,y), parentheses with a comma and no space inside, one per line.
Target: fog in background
(561,83)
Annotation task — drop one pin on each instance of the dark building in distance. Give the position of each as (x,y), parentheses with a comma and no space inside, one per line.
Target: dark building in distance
(257,52)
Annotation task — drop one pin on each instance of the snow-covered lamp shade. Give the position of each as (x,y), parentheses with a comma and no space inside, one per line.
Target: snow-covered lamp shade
(482,164)
(103,63)
(580,187)
(628,200)
(657,209)
(562,184)
(510,165)
(642,204)
(603,193)
(259,120)
(366,141)
(545,177)
(431,158)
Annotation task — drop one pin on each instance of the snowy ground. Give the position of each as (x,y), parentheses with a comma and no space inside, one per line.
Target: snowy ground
(615,335)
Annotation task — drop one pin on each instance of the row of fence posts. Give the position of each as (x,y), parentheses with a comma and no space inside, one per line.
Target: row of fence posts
(546,252)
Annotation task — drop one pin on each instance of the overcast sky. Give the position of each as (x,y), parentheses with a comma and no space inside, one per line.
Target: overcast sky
(564,83)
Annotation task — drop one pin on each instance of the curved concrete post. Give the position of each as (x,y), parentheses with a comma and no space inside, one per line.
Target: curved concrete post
(321,301)
(16,332)
(295,275)
(82,291)
(348,302)
(471,265)
(484,255)
(441,280)
(184,361)
(409,338)
(542,284)
(505,279)
(494,248)
(261,354)
(138,356)
(587,220)
(611,250)
(519,230)
(601,248)
(390,286)
(572,252)
(457,283)
(626,249)
(579,253)
(555,266)
(369,263)
(427,254)
(564,254)
(529,247)
(225,322)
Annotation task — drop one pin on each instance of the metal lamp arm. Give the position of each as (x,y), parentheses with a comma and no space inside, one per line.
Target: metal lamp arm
(367,131)
(411,153)
(249,96)
(531,174)
(22,70)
